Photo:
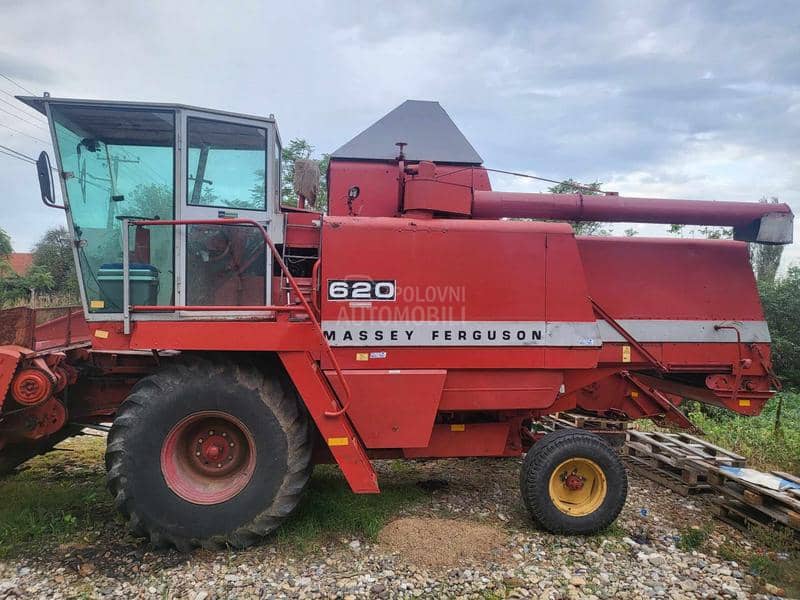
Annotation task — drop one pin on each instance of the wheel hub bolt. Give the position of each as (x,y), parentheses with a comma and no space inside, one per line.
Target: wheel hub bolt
(574,481)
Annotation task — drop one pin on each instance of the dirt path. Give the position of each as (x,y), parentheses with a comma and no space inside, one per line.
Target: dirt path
(466,535)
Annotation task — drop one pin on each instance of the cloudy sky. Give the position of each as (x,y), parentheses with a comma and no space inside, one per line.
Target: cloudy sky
(694,100)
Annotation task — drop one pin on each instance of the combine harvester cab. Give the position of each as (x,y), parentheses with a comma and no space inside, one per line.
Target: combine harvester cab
(235,341)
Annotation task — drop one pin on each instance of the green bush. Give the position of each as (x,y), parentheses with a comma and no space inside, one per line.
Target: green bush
(768,441)
(781,301)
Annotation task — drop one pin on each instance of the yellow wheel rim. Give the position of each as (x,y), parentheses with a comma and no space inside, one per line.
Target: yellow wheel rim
(578,487)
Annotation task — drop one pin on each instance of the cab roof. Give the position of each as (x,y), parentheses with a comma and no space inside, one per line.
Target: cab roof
(38,103)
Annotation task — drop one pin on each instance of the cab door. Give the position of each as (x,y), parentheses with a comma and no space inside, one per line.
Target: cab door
(224,165)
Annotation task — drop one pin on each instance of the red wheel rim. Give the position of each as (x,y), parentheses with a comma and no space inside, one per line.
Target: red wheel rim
(208,457)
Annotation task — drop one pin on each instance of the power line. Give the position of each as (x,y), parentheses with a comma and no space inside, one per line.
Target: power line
(18,109)
(25,160)
(18,153)
(19,105)
(572,184)
(19,85)
(22,119)
(33,137)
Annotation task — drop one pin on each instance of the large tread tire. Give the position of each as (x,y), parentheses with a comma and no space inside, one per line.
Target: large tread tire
(14,456)
(545,457)
(261,397)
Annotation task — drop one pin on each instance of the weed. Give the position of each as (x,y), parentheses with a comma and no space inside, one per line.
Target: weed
(693,538)
(766,445)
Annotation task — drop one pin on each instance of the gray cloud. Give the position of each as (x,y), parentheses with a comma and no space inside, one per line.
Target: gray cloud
(694,99)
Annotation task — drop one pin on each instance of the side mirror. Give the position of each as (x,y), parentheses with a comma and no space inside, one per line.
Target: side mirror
(44,172)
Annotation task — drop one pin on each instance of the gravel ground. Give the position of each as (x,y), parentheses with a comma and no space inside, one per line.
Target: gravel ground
(637,558)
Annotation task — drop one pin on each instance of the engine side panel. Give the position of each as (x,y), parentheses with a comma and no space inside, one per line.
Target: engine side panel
(453,285)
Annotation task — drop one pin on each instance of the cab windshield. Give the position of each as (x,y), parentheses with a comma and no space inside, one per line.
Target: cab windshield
(119,163)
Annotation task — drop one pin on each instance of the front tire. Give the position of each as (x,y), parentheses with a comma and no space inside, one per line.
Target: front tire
(572,482)
(209,453)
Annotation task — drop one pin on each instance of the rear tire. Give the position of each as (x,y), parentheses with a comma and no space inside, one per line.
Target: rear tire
(180,486)
(572,482)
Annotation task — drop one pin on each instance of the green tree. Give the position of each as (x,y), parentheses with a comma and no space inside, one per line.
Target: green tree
(5,243)
(5,249)
(781,301)
(37,280)
(570,186)
(710,233)
(53,254)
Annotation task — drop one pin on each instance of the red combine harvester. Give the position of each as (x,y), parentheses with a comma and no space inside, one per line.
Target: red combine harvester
(234,342)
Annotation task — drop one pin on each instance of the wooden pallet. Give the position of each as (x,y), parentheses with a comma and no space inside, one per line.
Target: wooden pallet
(790,477)
(743,517)
(679,449)
(779,506)
(577,421)
(684,482)
(676,460)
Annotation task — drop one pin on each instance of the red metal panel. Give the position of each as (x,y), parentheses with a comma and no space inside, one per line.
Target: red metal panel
(437,196)
(9,359)
(60,327)
(567,293)
(478,439)
(639,278)
(377,183)
(207,335)
(506,389)
(379,186)
(392,409)
(302,229)
(466,358)
(336,431)
(445,270)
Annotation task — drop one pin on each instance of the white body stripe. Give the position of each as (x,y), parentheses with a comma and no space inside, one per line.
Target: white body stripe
(534,333)
(668,330)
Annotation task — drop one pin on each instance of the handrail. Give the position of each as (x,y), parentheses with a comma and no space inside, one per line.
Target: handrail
(738,370)
(314,288)
(284,269)
(217,307)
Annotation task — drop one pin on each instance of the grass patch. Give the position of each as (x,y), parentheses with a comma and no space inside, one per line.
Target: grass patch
(693,538)
(765,446)
(329,510)
(58,497)
(61,497)
(778,565)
